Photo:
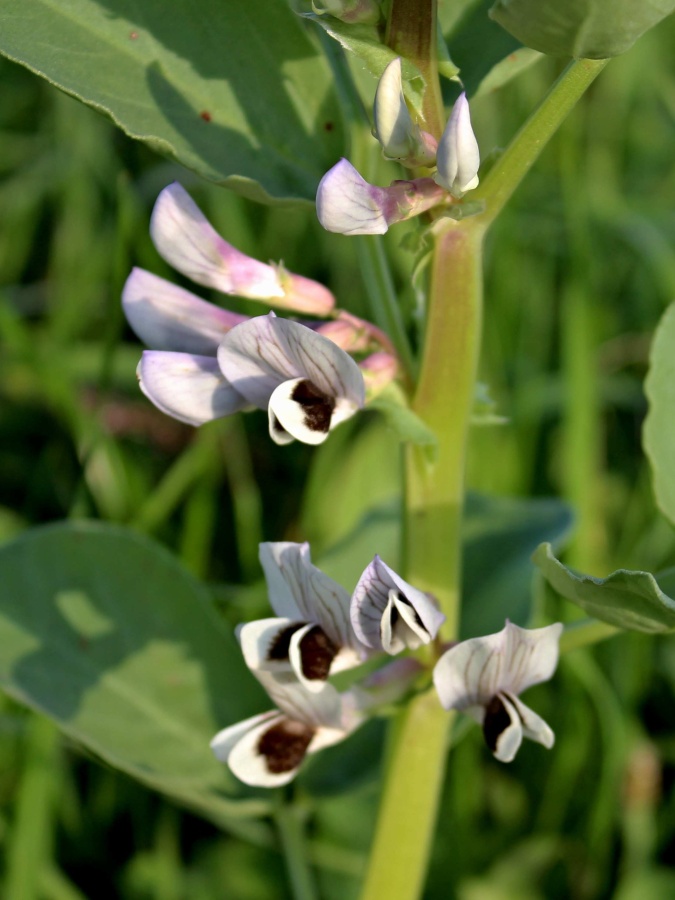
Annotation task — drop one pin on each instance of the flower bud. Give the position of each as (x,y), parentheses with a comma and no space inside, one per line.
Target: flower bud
(458,156)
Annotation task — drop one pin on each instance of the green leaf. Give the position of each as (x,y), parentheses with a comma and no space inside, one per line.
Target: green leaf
(659,428)
(487,56)
(104,632)
(630,600)
(500,534)
(593,29)
(236,91)
(404,423)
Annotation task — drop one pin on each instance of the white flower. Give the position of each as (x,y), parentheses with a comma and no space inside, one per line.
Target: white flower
(347,204)
(458,156)
(306,382)
(394,128)
(312,635)
(389,614)
(484,676)
(267,750)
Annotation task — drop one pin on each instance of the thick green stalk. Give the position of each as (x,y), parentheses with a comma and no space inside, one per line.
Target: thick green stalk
(444,400)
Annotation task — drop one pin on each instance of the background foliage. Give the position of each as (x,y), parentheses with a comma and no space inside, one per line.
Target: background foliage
(579,270)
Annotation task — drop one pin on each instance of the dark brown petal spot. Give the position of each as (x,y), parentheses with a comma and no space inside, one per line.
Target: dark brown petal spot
(317,652)
(277,426)
(318,408)
(496,721)
(284,745)
(280,646)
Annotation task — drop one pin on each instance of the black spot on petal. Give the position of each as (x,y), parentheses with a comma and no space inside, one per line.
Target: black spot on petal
(496,721)
(403,599)
(284,745)
(317,406)
(280,646)
(317,652)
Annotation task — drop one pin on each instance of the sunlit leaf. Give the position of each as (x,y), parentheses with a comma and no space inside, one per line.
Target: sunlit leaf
(630,600)
(104,632)
(594,29)
(659,427)
(236,91)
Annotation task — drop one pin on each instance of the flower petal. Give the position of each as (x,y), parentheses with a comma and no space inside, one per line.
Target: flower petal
(386,610)
(270,754)
(534,727)
(502,728)
(298,409)
(312,653)
(347,204)
(394,128)
(298,590)
(166,317)
(186,239)
(225,740)
(316,708)
(458,156)
(265,643)
(188,387)
(259,355)
(532,655)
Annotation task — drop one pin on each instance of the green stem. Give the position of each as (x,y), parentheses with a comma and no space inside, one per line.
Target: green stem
(289,819)
(411,32)
(518,158)
(444,400)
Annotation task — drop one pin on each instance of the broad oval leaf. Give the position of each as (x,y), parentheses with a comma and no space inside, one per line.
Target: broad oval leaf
(104,632)
(630,600)
(235,91)
(659,429)
(590,29)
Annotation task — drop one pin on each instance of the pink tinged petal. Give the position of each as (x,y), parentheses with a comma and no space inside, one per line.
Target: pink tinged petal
(185,239)
(387,612)
(299,590)
(472,672)
(379,370)
(458,156)
(166,317)
(188,387)
(259,355)
(302,294)
(347,204)
(502,728)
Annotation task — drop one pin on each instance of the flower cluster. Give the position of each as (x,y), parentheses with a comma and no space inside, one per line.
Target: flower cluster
(346,203)
(209,362)
(318,630)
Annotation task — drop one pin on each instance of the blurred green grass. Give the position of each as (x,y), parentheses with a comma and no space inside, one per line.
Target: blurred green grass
(578,271)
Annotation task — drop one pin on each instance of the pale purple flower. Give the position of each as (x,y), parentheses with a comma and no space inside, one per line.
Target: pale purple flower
(400,137)
(268,749)
(306,382)
(458,156)
(185,239)
(347,204)
(389,614)
(312,635)
(483,677)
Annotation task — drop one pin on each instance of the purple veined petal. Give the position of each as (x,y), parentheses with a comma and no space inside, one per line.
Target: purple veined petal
(298,410)
(187,387)
(316,708)
(347,204)
(372,599)
(502,728)
(297,589)
(532,655)
(458,156)
(167,317)
(259,355)
(472,672)
(186,239)
(534,727)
